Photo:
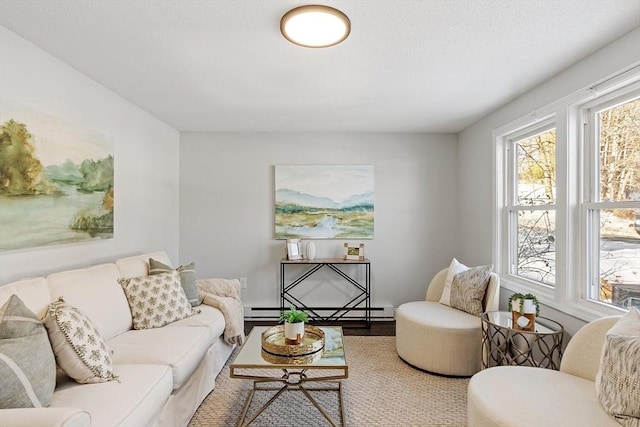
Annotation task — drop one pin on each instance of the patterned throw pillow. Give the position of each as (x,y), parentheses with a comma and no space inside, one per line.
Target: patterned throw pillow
(27,365)
(156,300)
(454,268)
(468,289)
(187,278)
(618,380)
(80,350)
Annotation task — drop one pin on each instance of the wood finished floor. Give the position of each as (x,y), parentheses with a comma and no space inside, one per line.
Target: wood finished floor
(381,328)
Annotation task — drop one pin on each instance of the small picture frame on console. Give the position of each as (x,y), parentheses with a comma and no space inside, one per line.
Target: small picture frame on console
(355,253)
(294,249)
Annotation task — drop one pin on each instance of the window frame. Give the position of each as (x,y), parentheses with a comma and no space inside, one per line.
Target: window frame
(572,184)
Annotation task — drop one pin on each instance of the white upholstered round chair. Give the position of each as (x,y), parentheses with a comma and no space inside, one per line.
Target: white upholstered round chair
(439,338)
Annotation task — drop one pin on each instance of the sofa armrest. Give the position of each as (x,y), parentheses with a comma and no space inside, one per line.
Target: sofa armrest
(44,417)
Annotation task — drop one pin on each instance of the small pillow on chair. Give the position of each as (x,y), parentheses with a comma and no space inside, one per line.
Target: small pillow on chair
(454,268)
(618,379)
(468,289)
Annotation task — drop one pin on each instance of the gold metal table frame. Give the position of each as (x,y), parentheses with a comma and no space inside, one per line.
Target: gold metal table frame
(293,374)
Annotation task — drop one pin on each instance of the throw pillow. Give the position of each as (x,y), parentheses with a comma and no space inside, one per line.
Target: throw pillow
(468,289)
(156,300)
(80,350)
(27,365)
(618,379)
(454,268)
(187,275)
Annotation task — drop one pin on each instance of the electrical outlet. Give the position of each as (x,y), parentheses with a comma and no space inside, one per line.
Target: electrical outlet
(243,283)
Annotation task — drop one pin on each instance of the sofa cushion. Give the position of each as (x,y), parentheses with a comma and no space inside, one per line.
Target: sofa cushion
(454,268)
(138,397)
(77,344)
(532,397)
(95,292)
(181,348)
(138,265)
(156,300)
(34,293)
(618,380)
(208,317)
(187,278)
(468,289)
(27,365)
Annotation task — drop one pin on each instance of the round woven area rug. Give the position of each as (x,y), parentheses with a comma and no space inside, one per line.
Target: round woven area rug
(381,390)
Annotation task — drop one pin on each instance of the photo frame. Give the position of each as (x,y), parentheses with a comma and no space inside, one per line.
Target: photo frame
(294,249)
(355,253)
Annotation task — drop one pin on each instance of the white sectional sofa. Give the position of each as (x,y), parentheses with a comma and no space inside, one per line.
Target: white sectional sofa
(164,373)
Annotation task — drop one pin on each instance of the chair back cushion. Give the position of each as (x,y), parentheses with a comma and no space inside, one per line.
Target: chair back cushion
(582,355)
(492,294)
(434,291)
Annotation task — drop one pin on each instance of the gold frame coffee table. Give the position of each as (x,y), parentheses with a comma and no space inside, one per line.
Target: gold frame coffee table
(295,372)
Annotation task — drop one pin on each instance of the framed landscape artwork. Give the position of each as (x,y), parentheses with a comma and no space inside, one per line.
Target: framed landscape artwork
(324,201)
(56,180)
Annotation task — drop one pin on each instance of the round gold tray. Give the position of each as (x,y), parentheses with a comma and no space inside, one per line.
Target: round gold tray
(273,342)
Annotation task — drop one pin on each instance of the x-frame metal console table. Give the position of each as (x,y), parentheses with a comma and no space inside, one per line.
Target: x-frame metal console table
(361,302)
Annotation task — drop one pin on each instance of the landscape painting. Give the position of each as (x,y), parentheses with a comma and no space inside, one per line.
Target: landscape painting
(324,201)
(56,180)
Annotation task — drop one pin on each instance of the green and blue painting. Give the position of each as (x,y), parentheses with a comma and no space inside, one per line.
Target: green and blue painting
(324,201)
(56,180)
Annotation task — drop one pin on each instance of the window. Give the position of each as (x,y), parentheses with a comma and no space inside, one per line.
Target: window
(612,199)
(567,193)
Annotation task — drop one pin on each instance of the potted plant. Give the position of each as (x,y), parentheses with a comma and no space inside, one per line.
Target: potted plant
(524,309)
(294,325)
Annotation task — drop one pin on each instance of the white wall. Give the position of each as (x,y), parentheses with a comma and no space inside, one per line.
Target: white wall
(146,159)
(475,186)
(227,203)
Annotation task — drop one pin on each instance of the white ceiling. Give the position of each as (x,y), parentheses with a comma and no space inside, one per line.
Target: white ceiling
(408,66)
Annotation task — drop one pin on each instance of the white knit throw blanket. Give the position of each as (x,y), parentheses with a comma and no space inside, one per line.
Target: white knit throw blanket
(224,294)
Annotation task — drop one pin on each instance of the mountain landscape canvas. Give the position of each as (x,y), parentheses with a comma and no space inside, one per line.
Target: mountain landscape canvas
(324,202)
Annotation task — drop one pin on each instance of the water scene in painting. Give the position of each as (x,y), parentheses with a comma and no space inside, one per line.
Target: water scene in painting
(56,180)
(324,201)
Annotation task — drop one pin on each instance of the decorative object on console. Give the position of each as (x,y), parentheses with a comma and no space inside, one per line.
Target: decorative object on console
(156,300)
(324,202)
(27,364)
(59,169)
(79,348)
(294,325)
(294,249)
(310,252)
(355,253)
(618,379)
(187,275)
(524,309)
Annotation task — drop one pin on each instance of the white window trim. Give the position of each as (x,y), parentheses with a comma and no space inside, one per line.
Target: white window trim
(567,296)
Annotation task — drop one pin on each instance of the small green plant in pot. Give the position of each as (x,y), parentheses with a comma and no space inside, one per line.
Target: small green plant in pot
(294,325)
(524,310)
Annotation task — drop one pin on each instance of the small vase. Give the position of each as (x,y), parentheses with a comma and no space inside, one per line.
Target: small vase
(311,250)
(527,320)
(293,332)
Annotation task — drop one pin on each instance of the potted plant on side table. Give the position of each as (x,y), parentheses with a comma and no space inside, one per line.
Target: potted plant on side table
(524,309)
(294,325)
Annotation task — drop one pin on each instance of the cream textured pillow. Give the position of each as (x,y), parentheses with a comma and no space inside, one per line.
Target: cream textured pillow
(187,275)
(618,380)
(468,289)
(156,300)
(80,350)
(454,268)
(27,365)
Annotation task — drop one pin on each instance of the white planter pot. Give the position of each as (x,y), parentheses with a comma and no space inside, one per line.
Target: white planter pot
(529,307)
(294,331)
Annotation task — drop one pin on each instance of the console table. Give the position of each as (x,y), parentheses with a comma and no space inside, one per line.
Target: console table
(361,302)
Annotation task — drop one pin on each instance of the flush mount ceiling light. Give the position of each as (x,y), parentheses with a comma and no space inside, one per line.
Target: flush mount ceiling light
(315,26)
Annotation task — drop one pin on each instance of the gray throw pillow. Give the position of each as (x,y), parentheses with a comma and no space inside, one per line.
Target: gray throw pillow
(468,289)
(187,278)
(27,364)
(618,379)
